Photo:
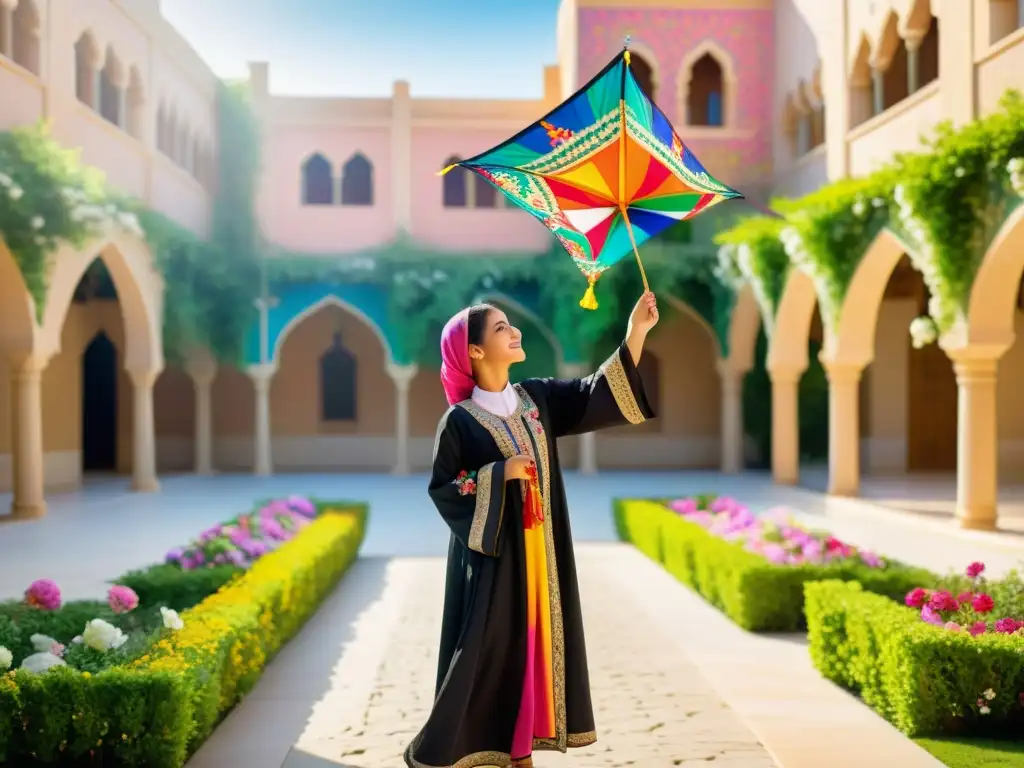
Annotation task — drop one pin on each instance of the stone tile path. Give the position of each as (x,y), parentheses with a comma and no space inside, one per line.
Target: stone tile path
(359,710)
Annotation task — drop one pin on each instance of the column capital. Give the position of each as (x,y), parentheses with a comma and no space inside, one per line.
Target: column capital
(202,371)
(838,372)
(787,375)
(731,369)
(144,377)
(266,303)
(402,375)
(26,364)
(261,372)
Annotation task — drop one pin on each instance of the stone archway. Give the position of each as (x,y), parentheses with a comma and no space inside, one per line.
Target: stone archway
(313,423)
(132,317)
(787,361)
(742,333)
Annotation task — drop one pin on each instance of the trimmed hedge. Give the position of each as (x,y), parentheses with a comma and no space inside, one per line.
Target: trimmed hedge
(758,595)
(925,680)
(156,710)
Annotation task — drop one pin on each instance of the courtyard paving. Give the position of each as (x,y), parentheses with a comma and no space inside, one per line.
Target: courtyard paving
(675,683)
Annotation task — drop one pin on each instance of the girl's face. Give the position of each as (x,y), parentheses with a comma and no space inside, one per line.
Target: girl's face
(502,343)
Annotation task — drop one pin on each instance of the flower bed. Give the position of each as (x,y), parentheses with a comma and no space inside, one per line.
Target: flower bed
(753,568)
(159,701)
(950,661)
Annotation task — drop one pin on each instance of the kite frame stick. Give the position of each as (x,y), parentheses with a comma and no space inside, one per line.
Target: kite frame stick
(622,168)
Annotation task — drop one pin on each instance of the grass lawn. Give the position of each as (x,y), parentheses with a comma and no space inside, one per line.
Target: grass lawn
(976,753)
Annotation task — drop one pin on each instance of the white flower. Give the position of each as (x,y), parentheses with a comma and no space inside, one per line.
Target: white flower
(37,222)
(40,662)
(6,659)
(859,209)
(5,180)
(989,694)
(984,710)
(15,192)
(923,331)
(42,643)
(171,618)
(103,636)
(77,639)
(959,172)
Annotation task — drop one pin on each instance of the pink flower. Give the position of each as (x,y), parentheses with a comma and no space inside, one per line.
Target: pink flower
(943,601)
(684,506)
(974,570)
(122,599)
(929,615)
(965,597)
(871,560)
(43,594)
(1007,626)
(978,628)
(983,603)
(952,626)
(916,597)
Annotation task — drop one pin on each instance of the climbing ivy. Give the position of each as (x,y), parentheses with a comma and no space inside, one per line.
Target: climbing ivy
(47,197)
(752,251)
(954,195)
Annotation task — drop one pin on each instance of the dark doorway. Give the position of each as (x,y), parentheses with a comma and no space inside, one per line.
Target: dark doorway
(99,405)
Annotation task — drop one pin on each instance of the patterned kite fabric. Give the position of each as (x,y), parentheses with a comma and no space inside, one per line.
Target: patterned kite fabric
(604,171)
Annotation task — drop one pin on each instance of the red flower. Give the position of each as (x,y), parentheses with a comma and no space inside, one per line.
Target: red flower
(915,598)
(943,601)
(983,603)
(978,628)
(974,570)
(1007,626)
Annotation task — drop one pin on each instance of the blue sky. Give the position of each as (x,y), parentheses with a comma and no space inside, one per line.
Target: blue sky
(455,48)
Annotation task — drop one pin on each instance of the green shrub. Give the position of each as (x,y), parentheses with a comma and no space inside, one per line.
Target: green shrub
(176,588)
(158,708)
(755,593)
(924,679)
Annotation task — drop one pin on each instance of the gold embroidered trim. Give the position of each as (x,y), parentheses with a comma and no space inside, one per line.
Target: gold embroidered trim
(483,504)
(499,759)
(573,741)
(618,383)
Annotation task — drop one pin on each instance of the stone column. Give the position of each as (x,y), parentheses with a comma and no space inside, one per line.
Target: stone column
(7,27)
(912,42)
(27,434)
(587,441)
(785,425)
(877,91)
(402,376)
(261,376)
(203,372)
(144,432)
(732,434)
(977,490)
(843,428)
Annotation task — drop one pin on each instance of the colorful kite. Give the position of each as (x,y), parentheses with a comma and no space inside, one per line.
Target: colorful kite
(604,171)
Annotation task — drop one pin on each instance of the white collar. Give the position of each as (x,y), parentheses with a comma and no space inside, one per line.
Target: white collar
(502,403)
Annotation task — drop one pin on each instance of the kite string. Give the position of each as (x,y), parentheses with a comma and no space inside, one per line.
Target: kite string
(636,251)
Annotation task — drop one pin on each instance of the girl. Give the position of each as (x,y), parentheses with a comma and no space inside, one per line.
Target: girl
(512,673)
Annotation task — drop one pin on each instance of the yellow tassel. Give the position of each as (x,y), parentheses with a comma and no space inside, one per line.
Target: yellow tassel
(445,170)
(589,300)
(627,58)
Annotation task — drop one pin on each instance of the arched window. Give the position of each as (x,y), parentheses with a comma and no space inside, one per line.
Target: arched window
(317,181)
(704,98)
(485,194)
(338,383)
(454,189)
(643,72)
(135,102)
(928,53)
(111,80)
(86,57)
(357,181)
(25,21)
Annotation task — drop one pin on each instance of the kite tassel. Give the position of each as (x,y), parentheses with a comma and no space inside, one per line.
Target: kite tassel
(445,170)
(589,300)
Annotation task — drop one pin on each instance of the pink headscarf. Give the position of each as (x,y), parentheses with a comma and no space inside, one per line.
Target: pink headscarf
(456,372)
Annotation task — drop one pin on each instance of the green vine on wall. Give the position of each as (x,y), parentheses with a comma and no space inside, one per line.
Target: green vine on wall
(47,197)
(953,197)
(752,252)
(828,232)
